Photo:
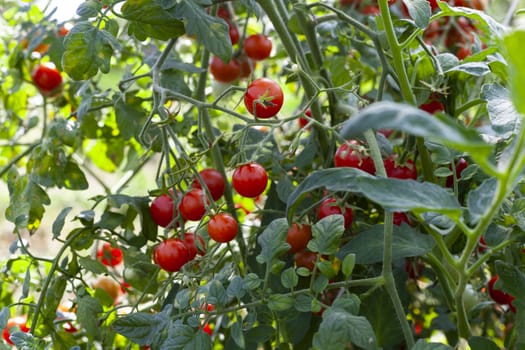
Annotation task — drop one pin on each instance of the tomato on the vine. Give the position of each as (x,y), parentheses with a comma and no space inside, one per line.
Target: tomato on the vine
(298,237)
(109,255)
(224,72)
(171,254)
(192,205)
(108,285)
(247,66)
(263,98)
(400,171)
(19,322)
(258,47)
(47,79)
(222,227)
(461,164)
(214,180)
(306,259)
(250,180)
(349,154)
(163,210)
(193,248)
(330,206)
(498,295)
(234,33)
(303,122)
(400,217)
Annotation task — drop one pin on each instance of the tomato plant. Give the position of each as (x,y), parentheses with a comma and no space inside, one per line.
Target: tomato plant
(263,98)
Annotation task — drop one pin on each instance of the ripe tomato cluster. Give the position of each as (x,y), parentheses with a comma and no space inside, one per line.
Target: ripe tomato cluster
(109,255)
(172,253)
(14,323)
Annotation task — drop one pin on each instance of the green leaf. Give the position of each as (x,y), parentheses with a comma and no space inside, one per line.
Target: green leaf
(217,294)
(58,224)
(289,278)
(236,288)
(237,335)
(340,327)
(368,245)
(210,31)
(5,313)
(378,309)
(476,69)
(130,118)
(511,280)
(504,118)
(88,310)
(252,281)
(482,343)
(141,206)
(484,22)
(141,327)
(438,128)
(88,50)
(422,344)
(419,10)
(303,302)
(273,241)
(393,194)
(326,235)
(280,302)
(348,302)
(92,265)
(320,283)
(184,337)
(516,56)
(147,19)
(348,264)
(480,199)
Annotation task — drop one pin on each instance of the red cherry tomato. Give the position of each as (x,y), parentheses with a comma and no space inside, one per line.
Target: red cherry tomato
(47,79)
(163,210)
(400,217)
(19,322)
(463,52)
(371,10)
(110,256)
(305,259)
(171,254)
(213,180)
(191,206)
(258,47)
(247,66)
(461,165)
(303,122)
(498,295)
(207,329)
(193,249)
(250,180)
(263,98)
(349,155)
(224,72)
(400,171)
(330,207)
(222,228)
(433,104)
(298,237)
(234,33)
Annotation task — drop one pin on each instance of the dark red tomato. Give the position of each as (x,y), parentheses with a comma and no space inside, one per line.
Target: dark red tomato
(110,256)
(400,217)
(192,205)
(263,98)
(47,79)
(258,47)
(193,249)
(305,259)
(222,228)
(414,268)
(213,180)
(433,5)
(224,72)
(224,13)
(298,237)
(463,52)
(234,33)
(303,121)
(349,155)
(432,106)
(19,322)
(250,180)
(247,66)
(171,254)
(371,10)
(498,295)
(400,171)
(163,210)
(330,207)
(461,165)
